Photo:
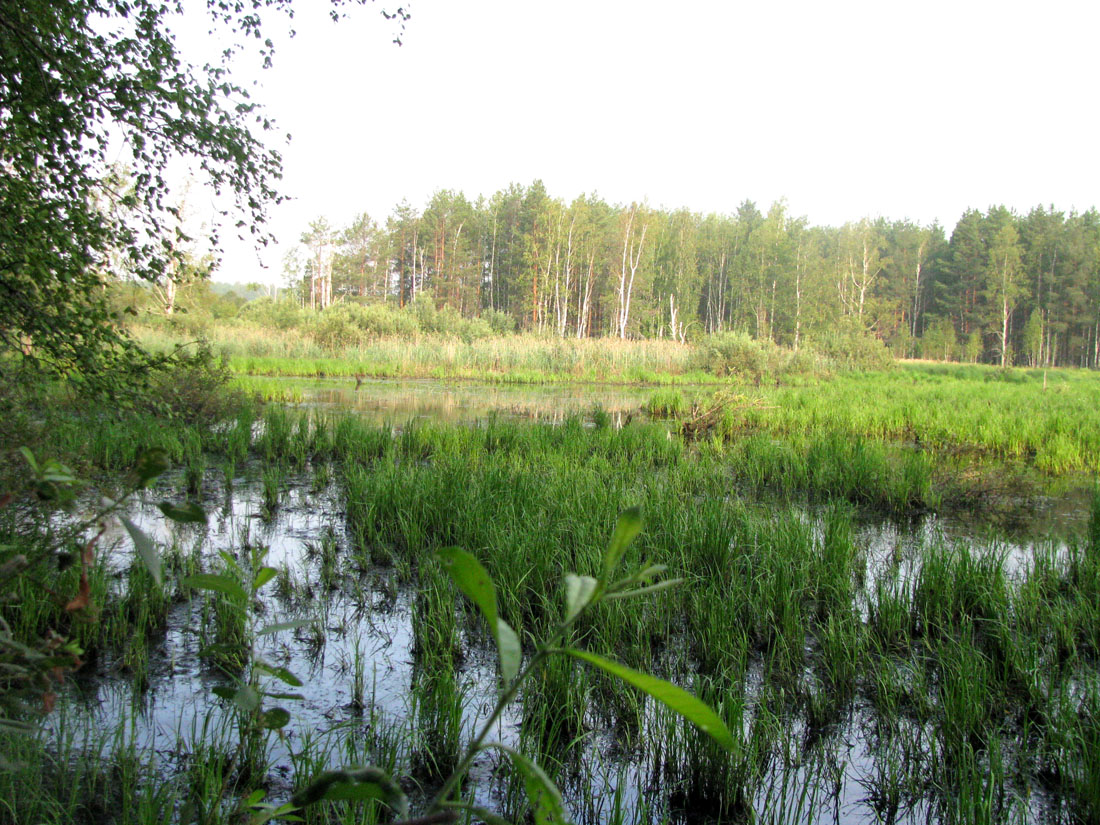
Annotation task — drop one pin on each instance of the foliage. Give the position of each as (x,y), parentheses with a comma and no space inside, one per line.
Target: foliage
(193,388)
(587,268)
(853,348)
(32,667)
(77,83)
(582,595)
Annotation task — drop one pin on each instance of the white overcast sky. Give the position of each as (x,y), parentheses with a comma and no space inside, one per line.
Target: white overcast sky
(843,107)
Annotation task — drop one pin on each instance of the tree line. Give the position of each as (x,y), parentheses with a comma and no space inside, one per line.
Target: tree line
(1003,287)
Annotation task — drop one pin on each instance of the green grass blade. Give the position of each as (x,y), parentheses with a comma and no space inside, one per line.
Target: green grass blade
(626,530)
(675,698)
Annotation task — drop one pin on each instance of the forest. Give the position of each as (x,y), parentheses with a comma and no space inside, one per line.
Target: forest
(1000,288)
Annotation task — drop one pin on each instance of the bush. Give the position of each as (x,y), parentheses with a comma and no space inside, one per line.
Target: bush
(193,387)
(738,354)
(501,323)
(282,314)
(848,346)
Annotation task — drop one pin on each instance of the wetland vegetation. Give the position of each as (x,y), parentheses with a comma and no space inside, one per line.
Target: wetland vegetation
(873,659)
(753,570)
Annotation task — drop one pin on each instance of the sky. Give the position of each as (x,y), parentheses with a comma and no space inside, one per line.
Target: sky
(844,108)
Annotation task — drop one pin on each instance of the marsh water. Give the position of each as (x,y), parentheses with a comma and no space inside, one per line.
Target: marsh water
(355,651)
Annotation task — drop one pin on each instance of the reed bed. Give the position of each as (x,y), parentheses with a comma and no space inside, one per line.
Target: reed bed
(514,359)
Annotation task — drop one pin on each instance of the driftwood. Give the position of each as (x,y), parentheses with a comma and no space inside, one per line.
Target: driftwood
(704,421)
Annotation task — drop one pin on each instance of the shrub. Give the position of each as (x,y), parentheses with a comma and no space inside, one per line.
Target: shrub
(850,347)
(739,354)
(281,314)
(193,387)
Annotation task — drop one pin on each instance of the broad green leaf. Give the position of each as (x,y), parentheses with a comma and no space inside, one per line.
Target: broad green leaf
(254,798)
(578,593)
(472,579)
(263,576)
(189,513)
(641,591)
(224,692)
(297,697)
(53,470)
(676,698)
(151,465)
(264,813)
(144,547)
(246,698)
(274,719)
(627,528)
(222,584)
(29,456)
(281,626)
(354,784)
(543,794)
(475,584)
(280,673)
(511,653)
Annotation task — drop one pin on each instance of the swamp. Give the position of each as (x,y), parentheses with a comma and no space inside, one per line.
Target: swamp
(648,504)
(892,605)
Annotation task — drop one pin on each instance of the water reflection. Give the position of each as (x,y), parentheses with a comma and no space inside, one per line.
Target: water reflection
(406,400)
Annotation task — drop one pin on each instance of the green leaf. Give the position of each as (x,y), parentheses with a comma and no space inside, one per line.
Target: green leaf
(354,784)
(246,698)
(263,576)
(627,528)
(647,572)
(472,579)
(281,626)
(264,812)
(578,593)
(675,698)
(280,673)
(641,591)
(189,513)
(475,584)
(151,465)
(53,470)
(254,798)
(144,547)
(488,817)
(222,584)
(29,456)
(224,692)
(543,794)
(274,719)
(511,652)
(15,726)
(297,697)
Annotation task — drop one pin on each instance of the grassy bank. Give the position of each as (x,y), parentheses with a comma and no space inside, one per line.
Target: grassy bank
(1049,419)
